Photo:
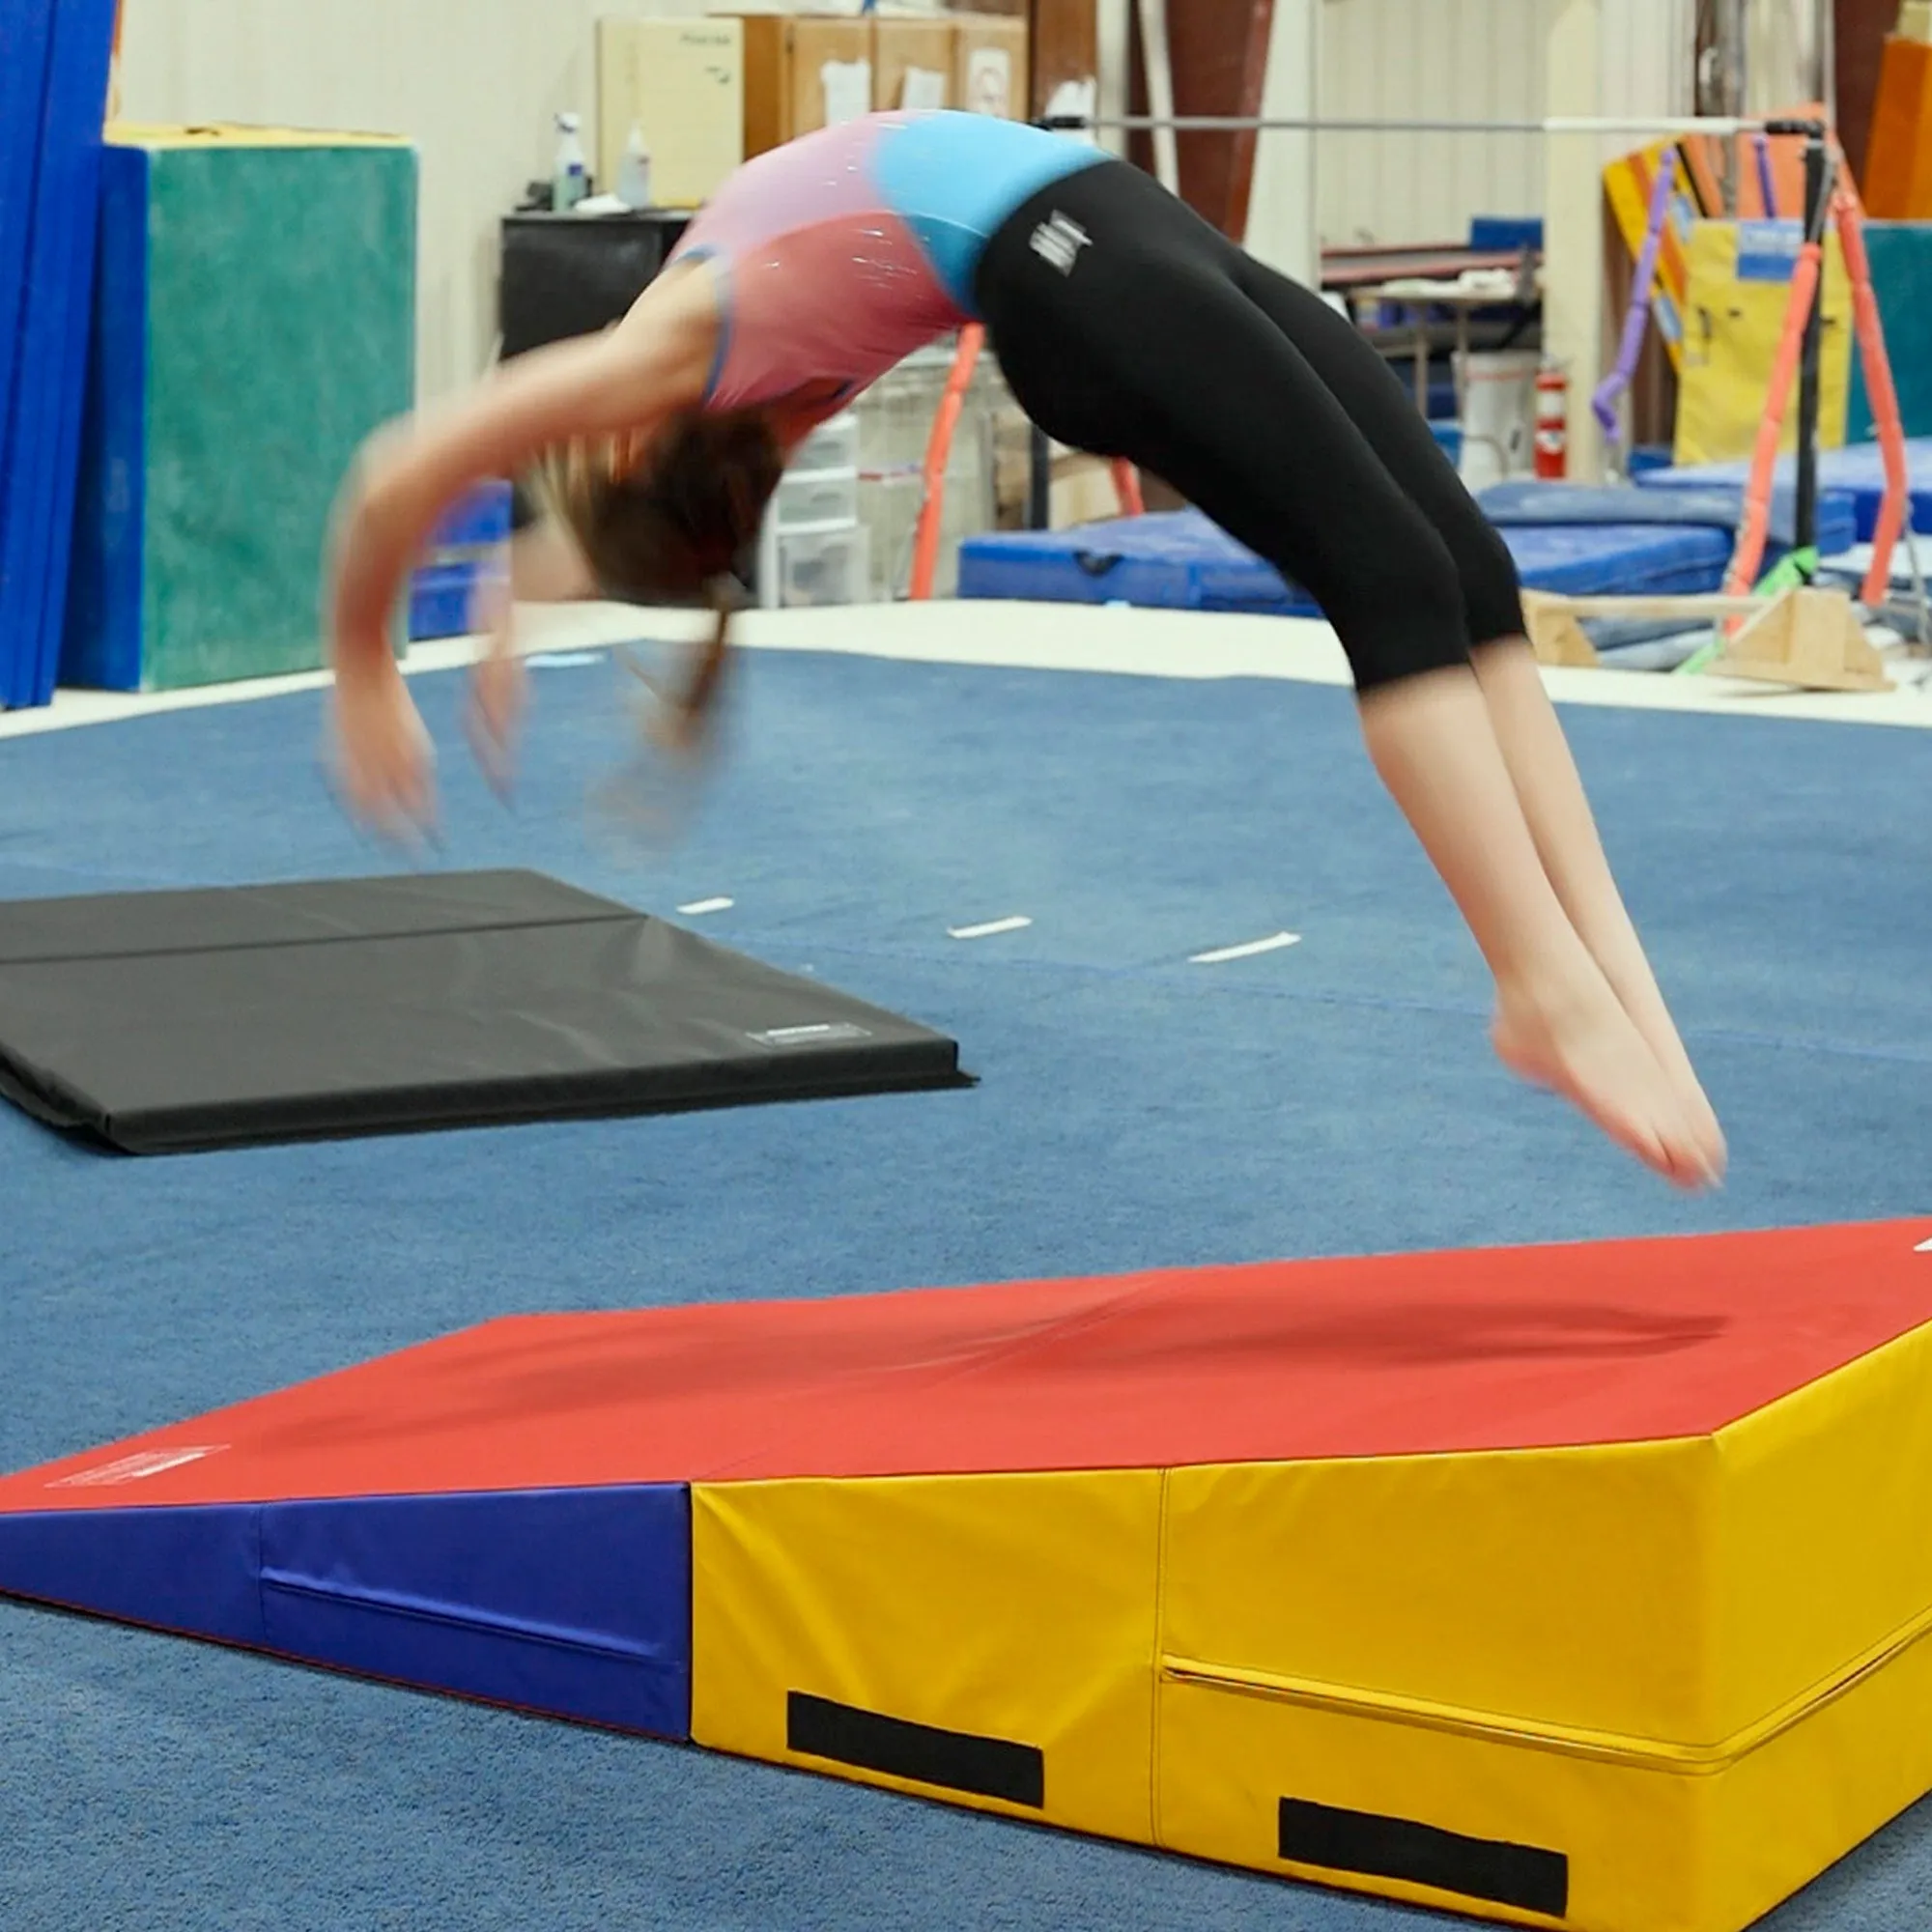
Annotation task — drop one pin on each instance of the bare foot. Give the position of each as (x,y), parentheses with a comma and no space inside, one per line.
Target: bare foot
(1641,1000)
(1668,1051)
(1585,1047)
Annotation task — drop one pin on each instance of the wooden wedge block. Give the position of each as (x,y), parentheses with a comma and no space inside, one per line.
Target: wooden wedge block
(1810,639)
(1555,634)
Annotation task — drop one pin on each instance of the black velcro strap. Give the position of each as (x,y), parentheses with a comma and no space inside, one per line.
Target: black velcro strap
(1371,1846)
(950,1760)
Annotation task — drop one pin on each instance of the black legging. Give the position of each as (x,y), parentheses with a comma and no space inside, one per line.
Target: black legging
(1127,326)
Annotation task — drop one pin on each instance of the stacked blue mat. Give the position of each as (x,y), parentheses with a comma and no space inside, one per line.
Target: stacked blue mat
(1858,468)
(1564,538)
(442,592)
(54,59)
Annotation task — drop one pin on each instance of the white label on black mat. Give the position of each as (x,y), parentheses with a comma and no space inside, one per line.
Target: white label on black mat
(830,1032)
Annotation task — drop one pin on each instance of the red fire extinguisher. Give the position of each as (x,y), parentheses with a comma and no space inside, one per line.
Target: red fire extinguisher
(1552,421)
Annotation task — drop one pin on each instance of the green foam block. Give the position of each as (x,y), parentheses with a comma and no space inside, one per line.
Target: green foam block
(254,319)
(1901,271)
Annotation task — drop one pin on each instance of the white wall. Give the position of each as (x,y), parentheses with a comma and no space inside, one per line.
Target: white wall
(1282,212)
(1781,55)
(474,82)
(1428,60)
(1615,59)
(1483,60)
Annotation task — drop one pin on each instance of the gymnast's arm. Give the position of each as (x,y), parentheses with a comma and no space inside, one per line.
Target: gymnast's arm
(654,363)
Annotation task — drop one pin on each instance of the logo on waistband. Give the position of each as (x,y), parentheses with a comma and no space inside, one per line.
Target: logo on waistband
(1058,241)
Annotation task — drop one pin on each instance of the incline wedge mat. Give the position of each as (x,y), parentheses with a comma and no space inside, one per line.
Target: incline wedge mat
(1581,1586)
(164,1021)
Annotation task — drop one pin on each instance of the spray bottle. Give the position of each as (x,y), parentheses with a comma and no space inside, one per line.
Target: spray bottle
(570,173)
(634,172)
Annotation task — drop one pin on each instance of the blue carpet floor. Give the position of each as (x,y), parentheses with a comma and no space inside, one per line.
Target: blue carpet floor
(1135,1110)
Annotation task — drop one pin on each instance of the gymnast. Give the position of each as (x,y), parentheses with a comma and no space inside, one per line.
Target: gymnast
(1127,326)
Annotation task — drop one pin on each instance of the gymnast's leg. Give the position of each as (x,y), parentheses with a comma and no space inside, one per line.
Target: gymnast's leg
(1547,784)
(1145,347)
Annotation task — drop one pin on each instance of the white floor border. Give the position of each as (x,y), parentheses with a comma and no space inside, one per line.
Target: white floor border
(1040,636)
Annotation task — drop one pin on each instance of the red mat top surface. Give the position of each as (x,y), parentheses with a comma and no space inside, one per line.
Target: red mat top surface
(1509,1349)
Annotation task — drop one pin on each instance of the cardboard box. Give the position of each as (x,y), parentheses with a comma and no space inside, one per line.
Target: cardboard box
(990,70)
(683,83)
(801,73)
(914,64)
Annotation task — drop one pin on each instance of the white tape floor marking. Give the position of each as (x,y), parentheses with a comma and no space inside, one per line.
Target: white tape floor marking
(990,930)
(697,908)
(1247,951)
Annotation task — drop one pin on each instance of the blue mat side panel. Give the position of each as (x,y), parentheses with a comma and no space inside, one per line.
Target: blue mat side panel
(106,612)
(188,1570)
(40,463)
(1858,467)
(1178,560)
(573,1602)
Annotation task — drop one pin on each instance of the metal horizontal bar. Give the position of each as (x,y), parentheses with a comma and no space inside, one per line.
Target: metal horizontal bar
(1690,603)
(1235,124)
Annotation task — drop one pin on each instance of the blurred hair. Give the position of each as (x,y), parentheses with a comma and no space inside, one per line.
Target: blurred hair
(668,518)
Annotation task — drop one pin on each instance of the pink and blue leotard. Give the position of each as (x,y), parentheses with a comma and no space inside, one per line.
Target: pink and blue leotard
(840,253)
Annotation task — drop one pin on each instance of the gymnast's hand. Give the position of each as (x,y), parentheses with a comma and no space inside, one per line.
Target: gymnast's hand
(498,690)
(383,759)
(381,756)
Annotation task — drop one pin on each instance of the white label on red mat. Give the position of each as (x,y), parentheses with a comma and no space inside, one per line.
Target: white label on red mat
(135,1468)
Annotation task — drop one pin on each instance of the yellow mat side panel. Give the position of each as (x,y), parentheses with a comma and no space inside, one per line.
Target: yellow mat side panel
(1823,1538)
(1732,325)
(1464,1824)
(935,1635)
(1564,1585)
(1496,1826)
(1791,1808)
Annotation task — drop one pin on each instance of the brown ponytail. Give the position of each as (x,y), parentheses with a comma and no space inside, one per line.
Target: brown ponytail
(688,712)
(671,521)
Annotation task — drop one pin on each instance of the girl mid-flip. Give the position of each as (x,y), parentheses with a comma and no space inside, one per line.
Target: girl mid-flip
(1125,325)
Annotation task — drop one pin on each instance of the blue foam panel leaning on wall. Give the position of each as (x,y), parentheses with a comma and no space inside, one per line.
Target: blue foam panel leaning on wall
(39,460)
(25,33)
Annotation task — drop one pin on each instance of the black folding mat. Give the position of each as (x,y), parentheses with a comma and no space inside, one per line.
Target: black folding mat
(160,1022)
